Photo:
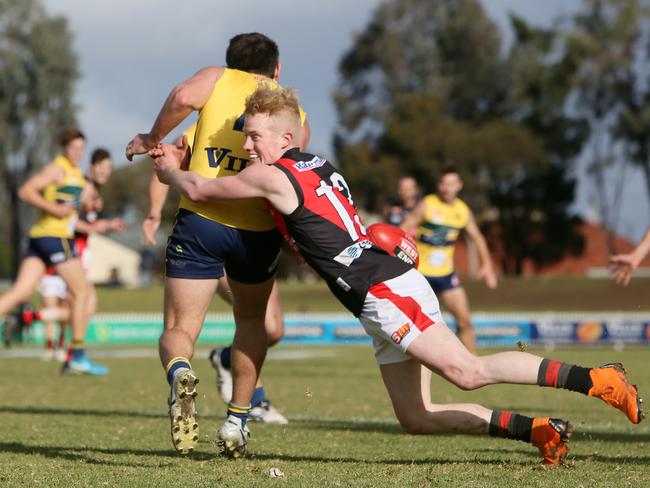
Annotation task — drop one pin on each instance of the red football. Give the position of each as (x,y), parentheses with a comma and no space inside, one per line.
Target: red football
(395,242)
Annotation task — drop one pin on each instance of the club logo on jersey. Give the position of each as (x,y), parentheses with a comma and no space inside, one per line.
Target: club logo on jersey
(350,253)
(217,155)
(315,162)
(399,334)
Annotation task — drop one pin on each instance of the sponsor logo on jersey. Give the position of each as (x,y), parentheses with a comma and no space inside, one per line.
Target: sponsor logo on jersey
(315,162)
(399,334)
(350,253)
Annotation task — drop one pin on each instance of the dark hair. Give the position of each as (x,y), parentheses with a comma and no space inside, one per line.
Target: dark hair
(69,134)
(98,155)
(448,169)
(253,52)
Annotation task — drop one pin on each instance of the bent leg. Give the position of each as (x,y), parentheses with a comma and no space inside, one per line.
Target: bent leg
(415,412)
(455,301)
(31,271)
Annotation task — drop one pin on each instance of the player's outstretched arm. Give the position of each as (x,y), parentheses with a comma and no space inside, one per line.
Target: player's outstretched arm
(486,271)
(623,265)
(186,97)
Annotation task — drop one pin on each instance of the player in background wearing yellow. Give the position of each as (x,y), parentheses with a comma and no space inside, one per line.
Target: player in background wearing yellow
(623,265)
(262,410)
(208,238)
(58,190)
(437,221)
(408,193)
(53,289)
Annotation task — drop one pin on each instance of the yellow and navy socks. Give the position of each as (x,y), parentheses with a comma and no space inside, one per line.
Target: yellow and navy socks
(510,425)
(174,365)
(239,411)
(77,351)
(562,375)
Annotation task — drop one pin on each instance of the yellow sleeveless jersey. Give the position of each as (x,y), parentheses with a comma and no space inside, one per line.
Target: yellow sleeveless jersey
(217,144)
(68,192)
(437,234)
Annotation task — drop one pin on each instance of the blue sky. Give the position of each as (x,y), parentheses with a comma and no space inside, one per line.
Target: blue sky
(131,53)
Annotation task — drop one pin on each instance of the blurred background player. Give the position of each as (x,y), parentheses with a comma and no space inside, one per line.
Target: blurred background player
(58,190)
(262,410)
(437,221)
(53,289)
(212,237)
(408,194)
(623,265)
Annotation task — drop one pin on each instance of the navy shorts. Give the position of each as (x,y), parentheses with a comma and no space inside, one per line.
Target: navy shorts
(51,250)
(199,248)
(440,284)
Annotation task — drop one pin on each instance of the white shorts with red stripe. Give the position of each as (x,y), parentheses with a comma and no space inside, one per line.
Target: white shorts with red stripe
(396,312)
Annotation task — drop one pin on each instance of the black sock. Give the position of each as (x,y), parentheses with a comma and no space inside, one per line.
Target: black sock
(510,425)
(562,375)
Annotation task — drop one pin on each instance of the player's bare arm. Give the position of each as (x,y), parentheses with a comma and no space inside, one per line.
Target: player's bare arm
(486,271)
(32,191)
(186,97)
(414,218)
(623,265)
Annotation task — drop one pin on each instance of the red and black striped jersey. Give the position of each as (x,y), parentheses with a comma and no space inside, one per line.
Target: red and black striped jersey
(329,232)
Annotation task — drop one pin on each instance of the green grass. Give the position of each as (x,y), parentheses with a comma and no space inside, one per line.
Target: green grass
(113,431)
(513,294)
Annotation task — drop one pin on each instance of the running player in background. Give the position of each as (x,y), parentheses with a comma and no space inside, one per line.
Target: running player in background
(315,210)
(53,289)
(209,238)
(58,190)
(261,408)
(623,265)
(437,221)
(408,193)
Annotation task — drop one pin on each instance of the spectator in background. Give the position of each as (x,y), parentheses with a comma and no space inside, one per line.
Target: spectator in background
(623,265)
(147,261)
(408,192)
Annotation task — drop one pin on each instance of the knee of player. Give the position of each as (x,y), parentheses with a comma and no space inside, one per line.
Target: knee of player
(274,331)
(411,424)
(468,377)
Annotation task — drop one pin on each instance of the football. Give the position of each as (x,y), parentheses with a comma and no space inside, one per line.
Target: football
(395,242)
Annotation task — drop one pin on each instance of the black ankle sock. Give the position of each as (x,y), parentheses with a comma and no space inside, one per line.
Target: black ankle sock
(563,375)
(510,425)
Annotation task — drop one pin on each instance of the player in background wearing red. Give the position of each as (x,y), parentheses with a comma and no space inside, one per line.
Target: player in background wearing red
(391,299)
(623,265)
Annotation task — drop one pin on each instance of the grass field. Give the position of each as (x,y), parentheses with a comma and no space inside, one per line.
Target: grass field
(113,431)
(558,294)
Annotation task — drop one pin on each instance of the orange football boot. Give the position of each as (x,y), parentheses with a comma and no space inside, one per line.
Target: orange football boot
(611,386)
(551,437)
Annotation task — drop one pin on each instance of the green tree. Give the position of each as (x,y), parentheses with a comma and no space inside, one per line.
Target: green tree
(427,82)
(37,71)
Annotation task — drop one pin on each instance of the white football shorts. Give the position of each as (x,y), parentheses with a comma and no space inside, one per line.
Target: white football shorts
(396,312)
(53,286)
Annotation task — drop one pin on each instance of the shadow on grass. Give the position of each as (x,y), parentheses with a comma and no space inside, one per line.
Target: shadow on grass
(613,459)
(85,453)
(34,410)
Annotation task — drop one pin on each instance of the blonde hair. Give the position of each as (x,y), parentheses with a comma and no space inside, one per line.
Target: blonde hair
(273,101)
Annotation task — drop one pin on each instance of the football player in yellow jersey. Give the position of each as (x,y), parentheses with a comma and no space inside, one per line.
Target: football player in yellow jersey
(210,237)
(262,410)
(439,219)
(58,190)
